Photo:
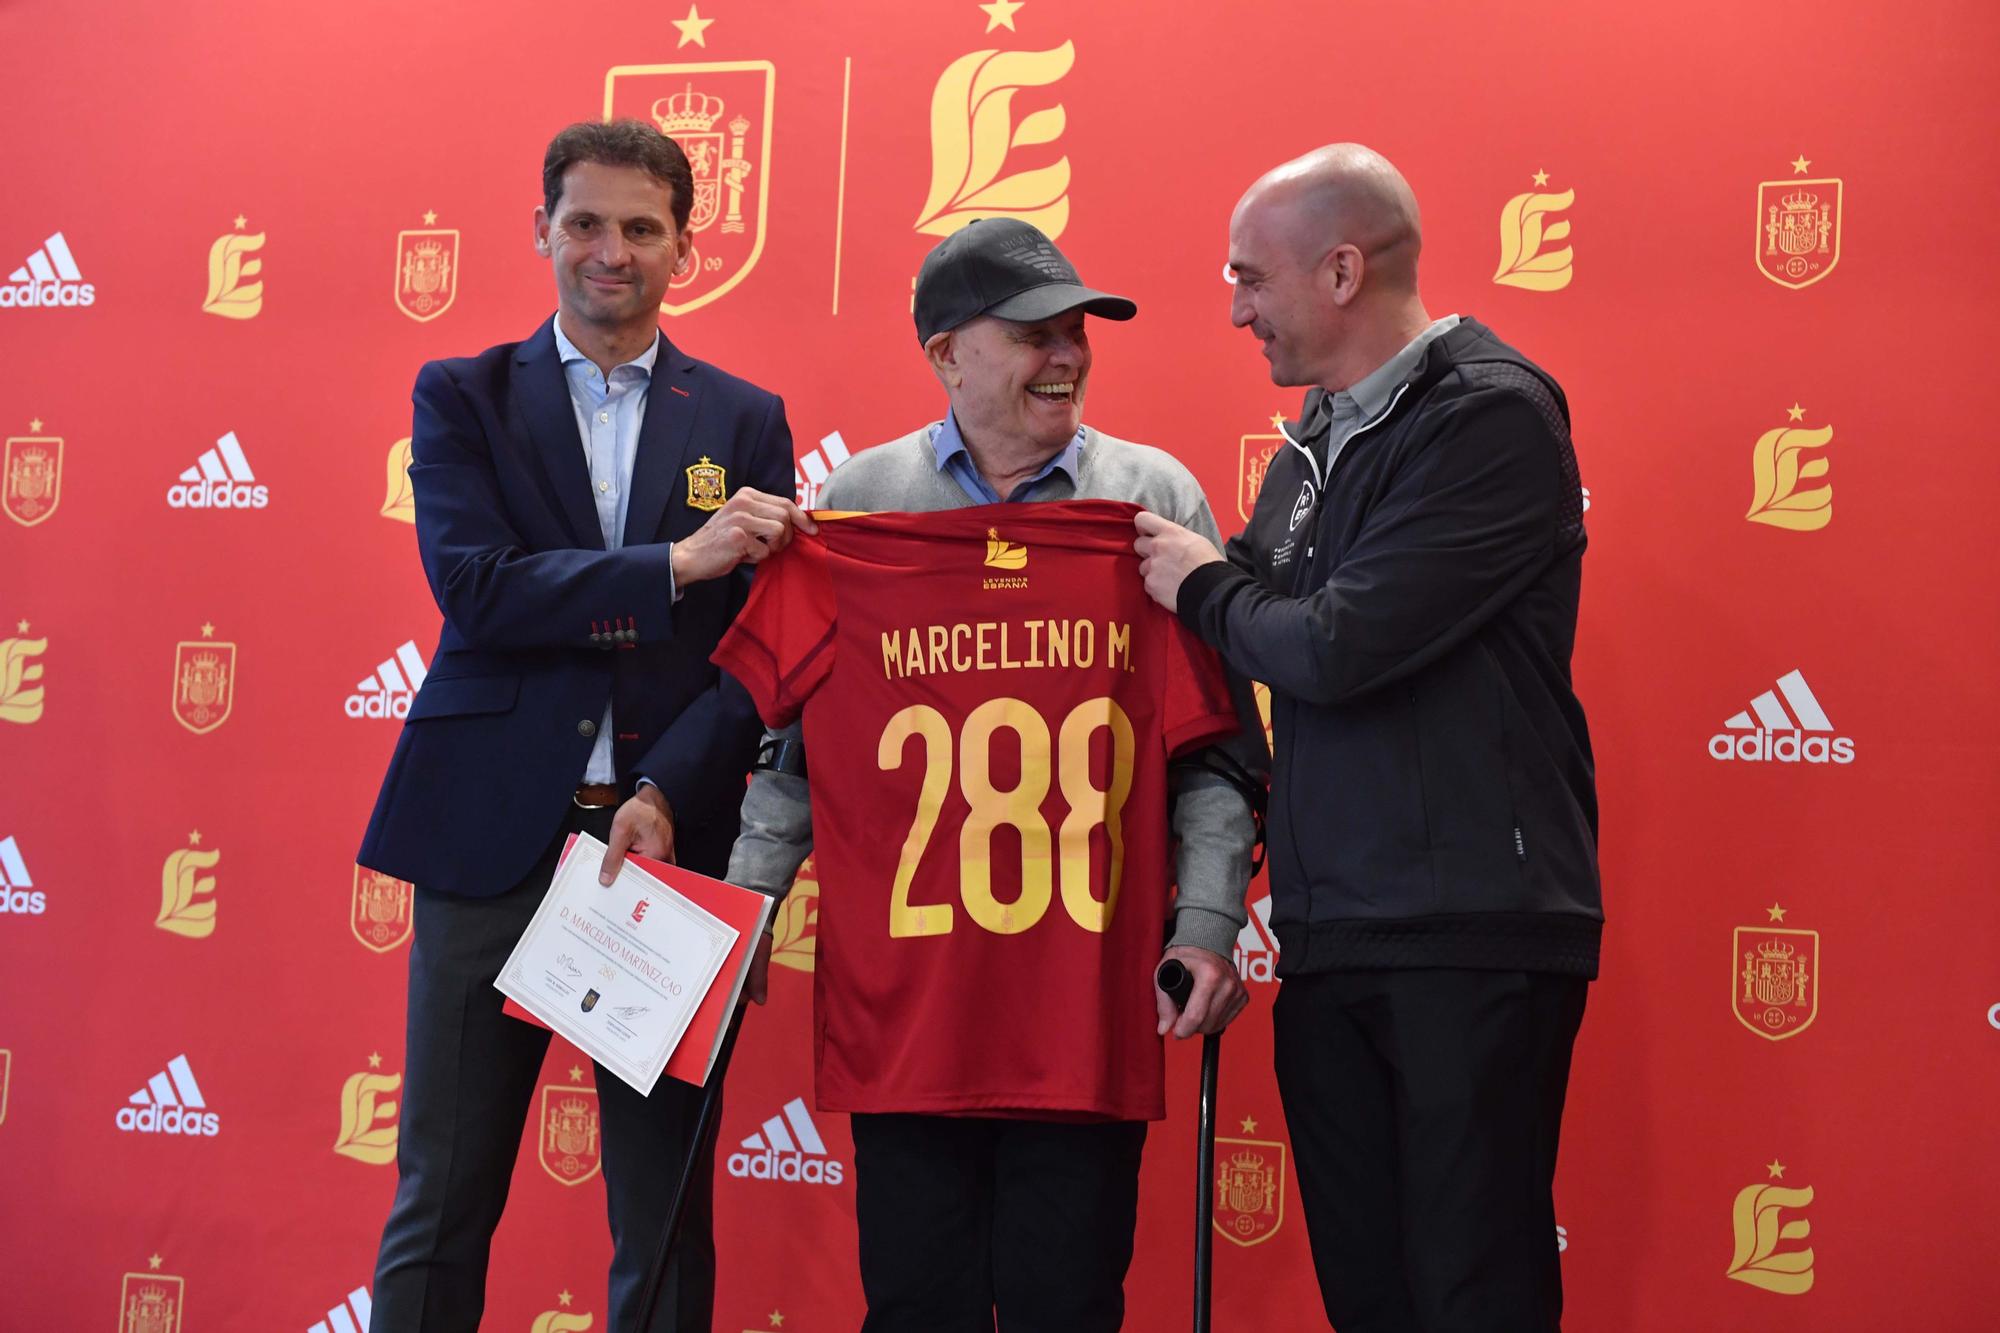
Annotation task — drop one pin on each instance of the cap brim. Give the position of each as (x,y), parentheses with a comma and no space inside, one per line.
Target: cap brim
(1059,298)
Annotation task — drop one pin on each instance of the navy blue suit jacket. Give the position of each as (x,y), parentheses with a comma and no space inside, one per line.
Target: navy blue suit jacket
(542,625)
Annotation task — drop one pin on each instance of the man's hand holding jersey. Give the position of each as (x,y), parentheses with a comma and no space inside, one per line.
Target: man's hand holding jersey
(749,527)
(1168,553)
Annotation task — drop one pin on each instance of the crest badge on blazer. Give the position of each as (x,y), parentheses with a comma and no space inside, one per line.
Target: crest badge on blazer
(708,485)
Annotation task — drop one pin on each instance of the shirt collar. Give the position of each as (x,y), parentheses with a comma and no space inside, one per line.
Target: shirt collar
(948,443)
(570,353)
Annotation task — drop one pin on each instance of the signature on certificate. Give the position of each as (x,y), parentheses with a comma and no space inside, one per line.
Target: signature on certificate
(568,964)
(628,1012)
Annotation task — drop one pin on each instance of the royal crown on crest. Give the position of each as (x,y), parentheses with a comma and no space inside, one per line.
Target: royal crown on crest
(1800,201)
(1775,951)
(689,110)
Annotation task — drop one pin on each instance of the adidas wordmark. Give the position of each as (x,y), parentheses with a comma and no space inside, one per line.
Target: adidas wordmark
(776,1154)
(48,277)
(220,479)
(389,690)
(18,894)
(1765,733)
(170,1103)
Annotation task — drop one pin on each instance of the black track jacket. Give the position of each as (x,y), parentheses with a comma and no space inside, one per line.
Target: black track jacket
(1433,798)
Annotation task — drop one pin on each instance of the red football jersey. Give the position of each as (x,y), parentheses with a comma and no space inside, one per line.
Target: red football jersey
(990,701)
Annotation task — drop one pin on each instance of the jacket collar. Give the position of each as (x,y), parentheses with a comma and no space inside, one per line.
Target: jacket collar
(542,403)
(1468,340)
(672,403)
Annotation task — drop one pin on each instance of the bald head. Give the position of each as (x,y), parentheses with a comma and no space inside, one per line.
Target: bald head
(1323,255)
(1343,193)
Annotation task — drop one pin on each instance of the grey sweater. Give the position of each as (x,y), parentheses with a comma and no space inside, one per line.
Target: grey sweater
(1210,817)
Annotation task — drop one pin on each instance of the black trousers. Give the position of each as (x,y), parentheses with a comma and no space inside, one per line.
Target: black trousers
(469,1080)
(960,1215)
(1424,1108)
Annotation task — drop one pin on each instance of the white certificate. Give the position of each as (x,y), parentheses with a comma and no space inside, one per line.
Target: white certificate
(619,971)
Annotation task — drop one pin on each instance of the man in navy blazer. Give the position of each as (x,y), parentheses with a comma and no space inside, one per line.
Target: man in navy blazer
(588,503)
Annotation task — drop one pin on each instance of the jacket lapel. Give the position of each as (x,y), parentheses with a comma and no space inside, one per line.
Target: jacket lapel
(664,436)
(542,404)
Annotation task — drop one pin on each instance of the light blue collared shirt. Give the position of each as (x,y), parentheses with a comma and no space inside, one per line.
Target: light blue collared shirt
(953,457)
(609,412)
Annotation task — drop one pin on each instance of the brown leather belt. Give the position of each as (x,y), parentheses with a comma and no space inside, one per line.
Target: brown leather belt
(596,795)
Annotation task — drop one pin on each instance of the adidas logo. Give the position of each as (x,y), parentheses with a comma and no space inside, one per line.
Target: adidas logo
(388,692)
(350,1316)
(220,479)
(1766,733)
(48,278)
(1256,946)
(810,473)
(779,1154)
(18,894)
(170,1103)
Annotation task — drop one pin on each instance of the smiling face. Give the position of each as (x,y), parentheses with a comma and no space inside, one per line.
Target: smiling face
(613,244)
(1015,383)
(1286,293)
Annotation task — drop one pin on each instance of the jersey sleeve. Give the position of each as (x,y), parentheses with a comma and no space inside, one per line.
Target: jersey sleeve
(1196,706)
(780,647)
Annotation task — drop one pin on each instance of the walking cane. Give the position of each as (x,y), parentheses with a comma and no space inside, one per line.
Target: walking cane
(704,1134)
(1178,983)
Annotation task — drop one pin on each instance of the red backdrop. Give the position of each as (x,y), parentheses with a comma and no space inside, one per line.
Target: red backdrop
(1750,241)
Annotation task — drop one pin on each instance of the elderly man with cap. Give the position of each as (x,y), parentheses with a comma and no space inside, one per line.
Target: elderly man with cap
(1022,1208)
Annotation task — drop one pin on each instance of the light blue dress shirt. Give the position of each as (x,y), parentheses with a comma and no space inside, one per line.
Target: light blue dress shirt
(609,411)
(954,458)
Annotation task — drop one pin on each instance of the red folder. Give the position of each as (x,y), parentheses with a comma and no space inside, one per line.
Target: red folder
(745,909)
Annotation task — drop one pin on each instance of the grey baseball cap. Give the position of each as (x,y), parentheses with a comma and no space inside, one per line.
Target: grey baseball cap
(1006,268)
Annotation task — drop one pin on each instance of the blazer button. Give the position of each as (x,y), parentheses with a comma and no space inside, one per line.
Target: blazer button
(586,728)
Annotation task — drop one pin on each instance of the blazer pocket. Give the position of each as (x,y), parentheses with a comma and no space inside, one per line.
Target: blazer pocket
(460,696)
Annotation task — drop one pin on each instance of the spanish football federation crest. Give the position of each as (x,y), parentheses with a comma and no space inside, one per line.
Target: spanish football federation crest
(151,1302)
(569,1148)
(31,475)
(720,115)
(1249,1189)
(204,682)
(1798,228)
(383,910)
(1776,984)
(426,270)
(708,485)
(1254,457)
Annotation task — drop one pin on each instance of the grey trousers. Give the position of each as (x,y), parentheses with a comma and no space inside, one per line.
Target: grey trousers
(469,1079)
